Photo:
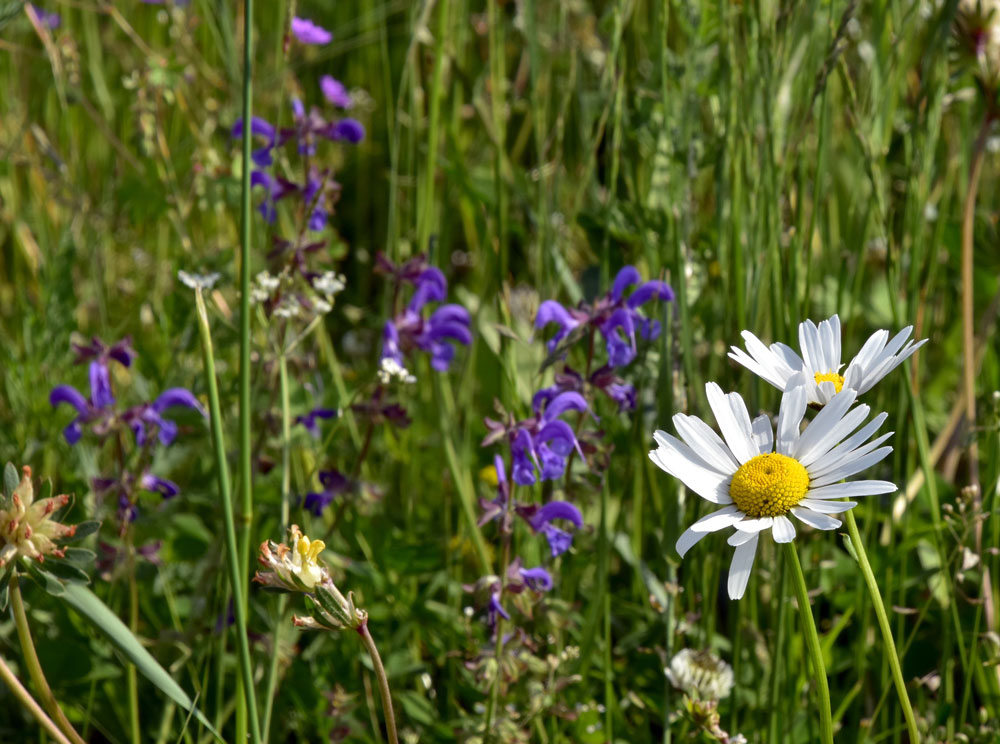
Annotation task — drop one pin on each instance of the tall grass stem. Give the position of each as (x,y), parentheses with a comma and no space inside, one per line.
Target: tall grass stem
(24,697)
(383,683)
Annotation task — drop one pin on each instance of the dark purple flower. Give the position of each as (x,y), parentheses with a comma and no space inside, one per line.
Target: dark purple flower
(334,483)
(258,128)
(335,92)
(96,350)
(166,488)
(309,420)
(127,511)
(541,521)
(146,415)
(96,409)
(346,130)
(308,32)
(551,311)
(522,451)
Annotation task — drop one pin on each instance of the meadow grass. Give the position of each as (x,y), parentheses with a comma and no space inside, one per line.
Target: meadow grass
(772,161)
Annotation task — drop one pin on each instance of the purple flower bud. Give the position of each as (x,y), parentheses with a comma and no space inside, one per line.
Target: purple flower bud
(308,32)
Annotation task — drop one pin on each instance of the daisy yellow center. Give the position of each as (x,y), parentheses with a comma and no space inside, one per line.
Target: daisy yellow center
(769,485)
(837,380)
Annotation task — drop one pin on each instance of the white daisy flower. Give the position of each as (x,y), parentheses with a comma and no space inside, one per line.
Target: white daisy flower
(820,361)
(758,488)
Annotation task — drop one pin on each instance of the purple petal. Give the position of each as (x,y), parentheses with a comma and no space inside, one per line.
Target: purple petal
(553,465)
(621,351)
(166,488)
(559,436)
(308,32)
(649,290)
(551,311)
(557,510)
(559,540)
(258,128)
(100,386)
(568,401)
(167,431)
(390,343)
(537,578)
(346,130)
(122,352)
(450,313)
(431,287)
(69,394)
(177,397)
(628,276)
(495,608)
(335,91)
(298,110)
(542,398)
(317,502)
(73,431)
(498,466)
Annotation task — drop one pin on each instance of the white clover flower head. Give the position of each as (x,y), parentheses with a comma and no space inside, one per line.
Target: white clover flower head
(760,476)
(329,283)
(820,361)
(26,527)
(198,281)
(700,674)
(390,370)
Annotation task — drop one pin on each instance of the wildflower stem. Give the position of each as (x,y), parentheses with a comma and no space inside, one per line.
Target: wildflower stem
(131,673)
(34,666)
(383,683)
(883,624)
(24,697)
(225,496)
(812,642)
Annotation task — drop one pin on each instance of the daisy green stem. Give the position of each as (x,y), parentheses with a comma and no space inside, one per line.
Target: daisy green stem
(383,683)
(883,624)
(35,672)
(24,697)
(248,698)
(812,643)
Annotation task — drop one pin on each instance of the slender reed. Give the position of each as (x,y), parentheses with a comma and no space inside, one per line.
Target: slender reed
(24,697)
(883,624)
(236,569)
(34,666)
(812,643)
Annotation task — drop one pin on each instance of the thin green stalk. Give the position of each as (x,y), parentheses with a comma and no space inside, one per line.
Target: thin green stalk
(383,683)
(774,683)
(131,674)
(883,624)
(232,554)
(812,643)
(35,672)
(24,697)
(426,217)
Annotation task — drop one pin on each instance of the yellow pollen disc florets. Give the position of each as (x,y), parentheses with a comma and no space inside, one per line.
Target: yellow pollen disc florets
(837,380)
(769,485)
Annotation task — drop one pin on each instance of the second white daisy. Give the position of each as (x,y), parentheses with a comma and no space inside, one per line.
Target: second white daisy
(820,361)
(760,479)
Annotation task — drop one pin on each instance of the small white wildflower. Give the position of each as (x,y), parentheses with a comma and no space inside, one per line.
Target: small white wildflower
(329,283)
(288,308)
(700,674)
(198,281)
(321,306)
(930,212)
(268,282)
(391,370)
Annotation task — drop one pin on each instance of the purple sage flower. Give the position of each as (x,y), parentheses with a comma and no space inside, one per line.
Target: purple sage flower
(540,519)
(259,127)
(150,415)
(50,21)
(309,420)
(95,410)
(334,483)
(166,488)
(537,579)
(308,32)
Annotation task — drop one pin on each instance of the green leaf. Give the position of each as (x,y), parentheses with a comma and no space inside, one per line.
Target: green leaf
(5,588)
(43,578)
(10,476)
(10,11)
(84,601)
(80,557)
(83,530)
(66,571)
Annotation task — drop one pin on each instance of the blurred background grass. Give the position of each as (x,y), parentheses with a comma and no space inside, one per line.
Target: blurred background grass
(773,161)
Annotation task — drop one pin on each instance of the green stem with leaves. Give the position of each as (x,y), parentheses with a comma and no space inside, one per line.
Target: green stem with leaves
(34,666)
(812,643)
(225,496)
(883,624)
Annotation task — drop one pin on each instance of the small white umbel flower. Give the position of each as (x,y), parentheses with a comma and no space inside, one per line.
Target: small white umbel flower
(700,674)
(760,479)
(820,361)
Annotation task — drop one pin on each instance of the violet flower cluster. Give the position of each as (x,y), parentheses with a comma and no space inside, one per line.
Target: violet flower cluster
(409,329)
(147,422)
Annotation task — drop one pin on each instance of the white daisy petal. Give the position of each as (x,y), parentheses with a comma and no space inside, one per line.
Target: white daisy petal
(705,442)
(875,343)
(763,437)
(793,408)
(718,520)
(850,446)
(754,525)
(788,356)
(815,519)
(829,346)
(818,437)
(738,538)
(851,490)
(828,507)
(734,421)
(708,484)
(810,345)
(766,372)
(835,325)
(783,531)
(739,569)
(688,540)
(774,367)
(851,466)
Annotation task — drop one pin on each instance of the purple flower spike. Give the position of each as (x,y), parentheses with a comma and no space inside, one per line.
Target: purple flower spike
(537,578)
(335,91)
(166,488)
(309,420)
(308,32)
